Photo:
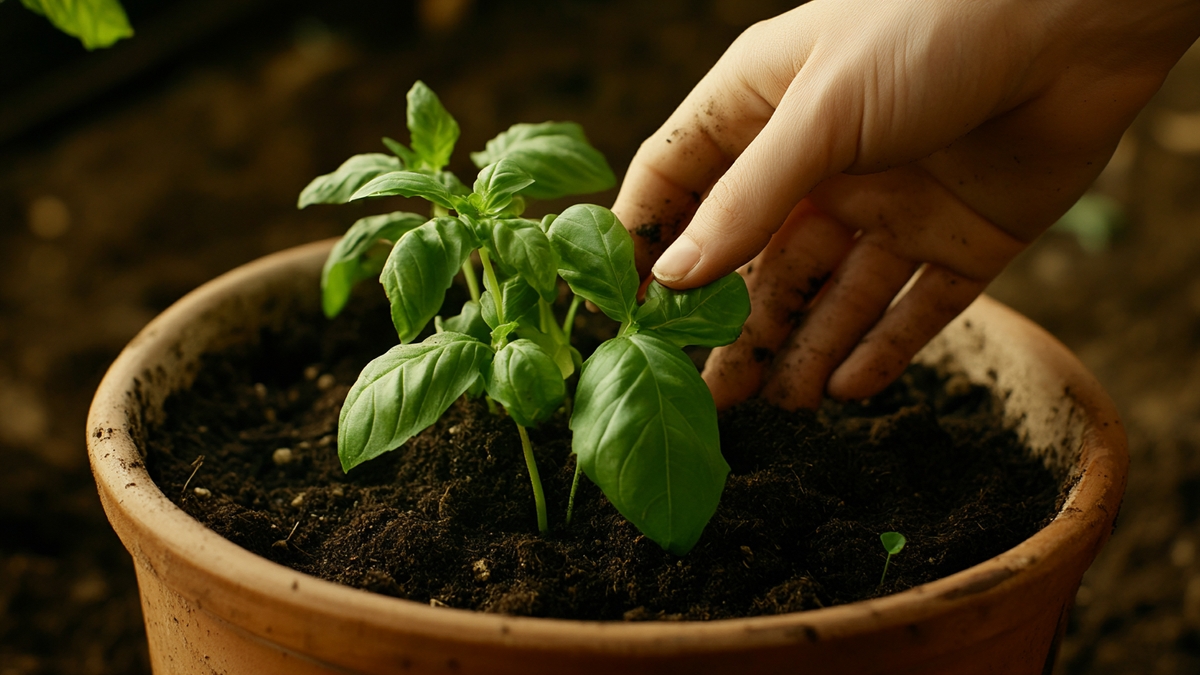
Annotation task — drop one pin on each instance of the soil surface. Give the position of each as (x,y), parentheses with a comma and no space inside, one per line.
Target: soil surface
(250,450)
(109,215)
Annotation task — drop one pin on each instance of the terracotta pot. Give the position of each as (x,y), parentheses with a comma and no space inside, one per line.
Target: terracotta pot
(212,607)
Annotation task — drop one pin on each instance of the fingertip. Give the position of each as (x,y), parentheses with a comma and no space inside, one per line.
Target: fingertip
(677,262)
(732,376)
(857,378)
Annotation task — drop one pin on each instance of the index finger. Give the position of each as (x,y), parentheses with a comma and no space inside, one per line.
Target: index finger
(676,166)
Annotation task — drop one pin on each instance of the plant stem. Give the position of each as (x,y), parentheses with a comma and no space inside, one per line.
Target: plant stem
(492,409)
(493,285)
(574,487)
(885,566)
(468,270)
(569,323)
(539,498)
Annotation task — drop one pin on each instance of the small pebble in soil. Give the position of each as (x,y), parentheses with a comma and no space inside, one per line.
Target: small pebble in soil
(282,456)
(260,390)
(202,429)
(311,372)
(269,415)
(327,440)
(481,570)
(298,500)
(325,381)
(454,429)
(202,492)
(337,491)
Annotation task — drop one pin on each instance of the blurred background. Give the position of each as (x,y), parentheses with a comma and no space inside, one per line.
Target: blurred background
(131,175)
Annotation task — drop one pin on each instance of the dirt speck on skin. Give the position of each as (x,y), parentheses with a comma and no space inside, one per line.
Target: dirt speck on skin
(651,232)
(448,518)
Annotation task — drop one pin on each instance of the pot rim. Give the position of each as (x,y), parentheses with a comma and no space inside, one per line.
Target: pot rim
(237,578)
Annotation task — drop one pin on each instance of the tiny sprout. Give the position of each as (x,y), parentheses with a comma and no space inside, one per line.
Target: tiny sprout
(893,543)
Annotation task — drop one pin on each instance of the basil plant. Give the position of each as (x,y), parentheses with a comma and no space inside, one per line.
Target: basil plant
(644,423)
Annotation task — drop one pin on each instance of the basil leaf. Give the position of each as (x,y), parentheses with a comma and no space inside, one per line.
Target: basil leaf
(502,332)
(520,303)
(97,23)
(470,322)
(596,259)
(408,157)
(522,246)
(645,431)
(338,186)
(496,185)
(550,337)
(556,154)
(709,316)
(525,380)
(407,184)
(420,268)
(434,132)
(408,388)
(351,259)
(452,184)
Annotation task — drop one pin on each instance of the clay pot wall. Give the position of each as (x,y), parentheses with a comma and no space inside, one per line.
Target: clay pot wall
(212,607)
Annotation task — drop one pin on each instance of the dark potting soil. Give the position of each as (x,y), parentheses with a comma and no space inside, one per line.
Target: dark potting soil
(449,518)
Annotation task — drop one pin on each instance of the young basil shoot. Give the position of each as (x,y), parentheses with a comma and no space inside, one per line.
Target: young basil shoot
(644,423)
(893,543)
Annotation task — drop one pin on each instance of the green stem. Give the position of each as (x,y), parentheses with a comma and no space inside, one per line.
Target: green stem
(885,566)
(468,270)
(574,487)
(539,498)
(493,285)
(569,323)
(491,405)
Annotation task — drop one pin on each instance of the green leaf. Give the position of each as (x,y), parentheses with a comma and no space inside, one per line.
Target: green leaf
(645,431)
(337,187)
(501,332)
(420,269)
(893,542)
(408,157)
(549,336)
(520,303)
(407,184)
(470,322)
(434,132)
(709,316)
(452,184)
(522,246)
(526,381)
(353,258)
(400,393)
(97,23)
(556,154)
(496,185)
(596,259)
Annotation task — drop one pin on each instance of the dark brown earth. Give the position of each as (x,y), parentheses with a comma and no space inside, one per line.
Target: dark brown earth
(448,518)
(110,214)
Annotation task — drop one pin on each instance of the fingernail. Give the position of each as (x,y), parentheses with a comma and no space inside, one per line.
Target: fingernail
(678,260)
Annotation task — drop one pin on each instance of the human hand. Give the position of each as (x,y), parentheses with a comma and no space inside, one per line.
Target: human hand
(850,145)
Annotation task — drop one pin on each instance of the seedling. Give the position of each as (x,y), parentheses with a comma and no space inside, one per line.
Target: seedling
(644,423)
(893,543)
